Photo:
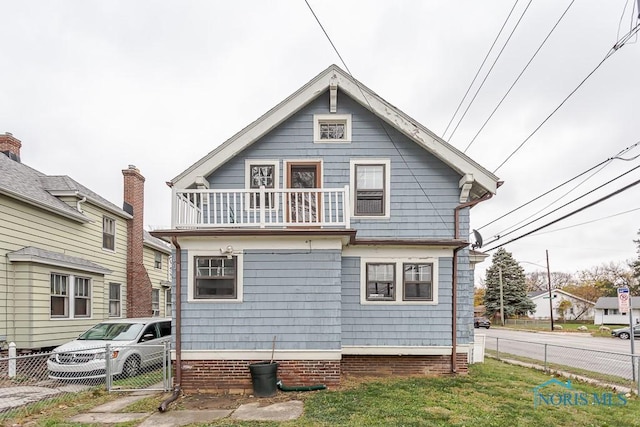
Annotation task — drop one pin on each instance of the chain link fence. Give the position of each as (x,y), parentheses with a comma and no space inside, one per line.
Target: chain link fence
(618,369)
(30,381)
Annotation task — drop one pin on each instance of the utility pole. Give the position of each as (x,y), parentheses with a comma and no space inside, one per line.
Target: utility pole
(549,283)
(501,298)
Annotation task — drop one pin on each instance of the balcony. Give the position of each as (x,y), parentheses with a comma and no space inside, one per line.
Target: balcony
(261,208)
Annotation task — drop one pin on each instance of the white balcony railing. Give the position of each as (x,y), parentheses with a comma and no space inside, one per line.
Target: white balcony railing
(261,208)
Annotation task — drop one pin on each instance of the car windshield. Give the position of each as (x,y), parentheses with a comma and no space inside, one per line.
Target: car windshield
(113,332)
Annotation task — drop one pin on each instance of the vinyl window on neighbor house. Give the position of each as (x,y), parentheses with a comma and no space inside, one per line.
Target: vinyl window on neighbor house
(418,282)
(155,302)
(262,175)
(168,304)
(157,262)
(108,233)
(215,277)
(611,311)
(114,300)
(70,296)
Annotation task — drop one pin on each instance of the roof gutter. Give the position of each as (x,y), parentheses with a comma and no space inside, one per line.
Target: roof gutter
(454,279)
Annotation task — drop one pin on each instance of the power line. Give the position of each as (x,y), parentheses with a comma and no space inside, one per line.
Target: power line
(589,222)
(613,50)
(570,202)
(615,157)
(480,68)
(520,75)
(600,200)
(404,160)
(490,69)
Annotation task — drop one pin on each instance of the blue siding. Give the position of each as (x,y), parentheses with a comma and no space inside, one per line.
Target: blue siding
(394,325)
(414,213)
(291,295)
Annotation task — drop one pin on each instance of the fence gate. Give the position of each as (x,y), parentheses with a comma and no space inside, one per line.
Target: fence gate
(139,367)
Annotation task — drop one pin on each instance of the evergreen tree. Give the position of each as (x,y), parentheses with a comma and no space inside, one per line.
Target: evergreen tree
(514,288)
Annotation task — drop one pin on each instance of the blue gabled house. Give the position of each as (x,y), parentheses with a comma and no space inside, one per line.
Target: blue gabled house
(330,233)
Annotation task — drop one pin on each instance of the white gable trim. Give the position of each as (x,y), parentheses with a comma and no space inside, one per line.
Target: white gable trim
(334,75)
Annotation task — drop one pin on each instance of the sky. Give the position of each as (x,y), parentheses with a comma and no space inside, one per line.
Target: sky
(90,87)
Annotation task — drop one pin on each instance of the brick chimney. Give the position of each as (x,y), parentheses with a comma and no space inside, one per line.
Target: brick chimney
(138,282)
(10,146)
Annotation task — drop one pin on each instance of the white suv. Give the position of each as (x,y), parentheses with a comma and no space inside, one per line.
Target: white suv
(135,344)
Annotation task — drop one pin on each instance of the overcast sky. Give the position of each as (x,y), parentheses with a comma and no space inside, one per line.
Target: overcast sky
(90,87)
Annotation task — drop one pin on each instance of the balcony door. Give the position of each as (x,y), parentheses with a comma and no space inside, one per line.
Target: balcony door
(303,207)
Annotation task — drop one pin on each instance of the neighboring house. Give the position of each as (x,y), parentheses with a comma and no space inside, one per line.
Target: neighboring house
(607,312)
(575,309)
(331,231)
(69,258)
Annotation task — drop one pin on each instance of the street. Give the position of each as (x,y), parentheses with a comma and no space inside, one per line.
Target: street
(605,355)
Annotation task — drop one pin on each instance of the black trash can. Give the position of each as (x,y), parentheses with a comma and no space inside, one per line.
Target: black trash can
(264,378)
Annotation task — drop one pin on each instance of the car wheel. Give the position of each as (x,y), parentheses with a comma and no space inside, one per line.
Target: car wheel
(131,367)
(624,335)
(487,327)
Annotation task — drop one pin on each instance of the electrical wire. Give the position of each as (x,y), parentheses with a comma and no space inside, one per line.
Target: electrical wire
(570,202)
(613,50)
(600,200)
(519,75)
(615,157)
(384,128)
(490,69)
(480,68)
(589,222)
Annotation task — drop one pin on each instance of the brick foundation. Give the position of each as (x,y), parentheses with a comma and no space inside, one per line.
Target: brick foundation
(233,376)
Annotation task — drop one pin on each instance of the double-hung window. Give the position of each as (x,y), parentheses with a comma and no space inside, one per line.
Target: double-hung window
(108,233)
(70,296)
(398,281)
(157,262)
(215,277)
(155,302)
(168,304)
(114,299)
(370,182)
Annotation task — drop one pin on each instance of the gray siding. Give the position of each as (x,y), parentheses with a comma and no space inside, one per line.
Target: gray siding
(394,325)
(287,294)
(414,213)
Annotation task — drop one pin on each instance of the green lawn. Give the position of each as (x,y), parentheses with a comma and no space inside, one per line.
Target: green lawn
(493,394)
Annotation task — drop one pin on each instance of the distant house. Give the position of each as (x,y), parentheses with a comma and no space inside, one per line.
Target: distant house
(607,312)
(332,231)
(577,309)
(70,258)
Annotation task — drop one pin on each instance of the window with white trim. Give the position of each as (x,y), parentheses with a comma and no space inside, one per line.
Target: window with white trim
(261,174)
(215,277)
(331,128)
(157,261)
(114,300)
(398,281)
(155,302)
(370,188)
(108,233)
(70,296)
(168,303)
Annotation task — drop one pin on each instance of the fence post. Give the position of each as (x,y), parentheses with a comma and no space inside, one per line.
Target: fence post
(497,348)
(12,360)
(546,367)
(107,366)
(165,365)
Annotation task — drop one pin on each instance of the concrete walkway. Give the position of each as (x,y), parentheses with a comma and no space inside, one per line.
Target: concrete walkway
(110,413)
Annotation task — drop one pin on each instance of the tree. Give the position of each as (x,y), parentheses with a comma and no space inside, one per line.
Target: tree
(608,277)
(564,305)
(478,296)
(586,291)
(514,288)
(538,280)
(635,265)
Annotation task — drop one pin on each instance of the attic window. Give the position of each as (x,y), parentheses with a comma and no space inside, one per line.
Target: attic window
(331,128)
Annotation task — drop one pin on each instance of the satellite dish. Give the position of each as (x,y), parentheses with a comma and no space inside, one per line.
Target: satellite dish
(478,237)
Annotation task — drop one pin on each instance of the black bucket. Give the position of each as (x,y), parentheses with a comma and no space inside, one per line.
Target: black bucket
(264,378)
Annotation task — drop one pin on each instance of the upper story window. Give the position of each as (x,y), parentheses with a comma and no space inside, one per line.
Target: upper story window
(331,128)
(398,281)
(370,183)
(261,173)
(108,233)
(215,277)
(157,262)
